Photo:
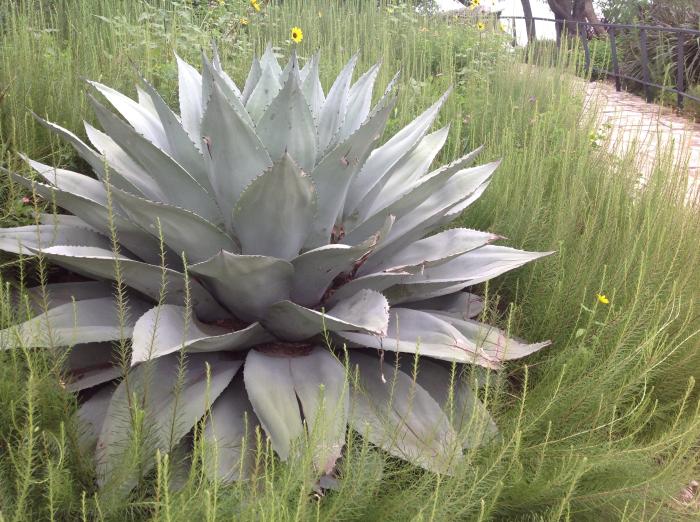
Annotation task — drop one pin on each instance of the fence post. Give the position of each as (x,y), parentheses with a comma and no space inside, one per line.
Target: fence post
(613,55)
(680,68)
(645,64)
(586,51)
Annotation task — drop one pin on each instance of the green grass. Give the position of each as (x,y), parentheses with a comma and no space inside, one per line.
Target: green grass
(603,425)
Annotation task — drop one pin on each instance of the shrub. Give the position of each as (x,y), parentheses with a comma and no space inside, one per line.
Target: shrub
(662,48)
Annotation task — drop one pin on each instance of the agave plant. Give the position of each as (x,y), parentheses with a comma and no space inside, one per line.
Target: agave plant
(265,237)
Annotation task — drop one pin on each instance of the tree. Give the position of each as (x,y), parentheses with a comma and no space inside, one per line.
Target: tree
(571,13)
(529,22)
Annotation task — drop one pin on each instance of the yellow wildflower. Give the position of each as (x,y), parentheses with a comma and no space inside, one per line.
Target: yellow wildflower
(474,4)
(602,298)
(244,21)
(255,5)
(297,34)
(480,26)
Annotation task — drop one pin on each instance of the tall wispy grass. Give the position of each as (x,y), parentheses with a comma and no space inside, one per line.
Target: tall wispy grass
(603,425)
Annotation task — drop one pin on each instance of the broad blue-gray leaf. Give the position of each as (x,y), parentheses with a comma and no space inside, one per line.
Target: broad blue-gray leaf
(404,173)
(143,277)
(321,386)
(57,294)
(91,416)
(22,239)
(469,417)
(180,229)
(264,92)
(275,212)
(99,217)
(179,187)
(268,381)
(165,329)
(287,126)
(72,182)
(378,282)
(332,115)
(315,270)
(229,434)
(90,364)
(143,121)
(366,311)
(246,285)
(88,321)
(335,172)
(190,96)
(461,305)
(171,408)
(211,76)
(359,101)
(252,80)
(415,331)
(312,88)
(468,269)
(234,153)
(385,157)
(123,168)
(181,145)
(495,342)
(391,410)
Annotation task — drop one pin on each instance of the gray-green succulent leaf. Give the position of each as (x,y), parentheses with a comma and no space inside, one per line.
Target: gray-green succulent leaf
(428,334)
(91,364)
(172,406)
(461,305)
(98,217)
(246,284)
(18,240)
(277,385)
(165,329)
(38,298)
(274,213)
(384,158)
(84,321)
(366,311)
(251,233)
(142,277)
(393,411)
(229,434)
(469,417)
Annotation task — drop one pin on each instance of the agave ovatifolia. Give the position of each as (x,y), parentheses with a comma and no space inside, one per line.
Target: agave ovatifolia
(249,228)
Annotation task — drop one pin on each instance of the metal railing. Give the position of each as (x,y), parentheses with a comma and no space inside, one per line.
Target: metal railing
(582,29)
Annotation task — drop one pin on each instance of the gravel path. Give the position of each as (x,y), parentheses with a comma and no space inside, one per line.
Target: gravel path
(627,120)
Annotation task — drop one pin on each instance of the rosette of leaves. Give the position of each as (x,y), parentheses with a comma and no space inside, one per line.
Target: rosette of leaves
(253,237)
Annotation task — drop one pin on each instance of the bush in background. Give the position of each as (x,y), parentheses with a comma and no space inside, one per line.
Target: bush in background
(662,46)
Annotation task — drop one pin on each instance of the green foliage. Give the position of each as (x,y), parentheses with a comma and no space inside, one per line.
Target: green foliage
(599,49)
(662,46)
(599,427)
(573,54)
(623,11)
(692,107)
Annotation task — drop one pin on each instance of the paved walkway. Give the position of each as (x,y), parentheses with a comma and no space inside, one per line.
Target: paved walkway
(627,120)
